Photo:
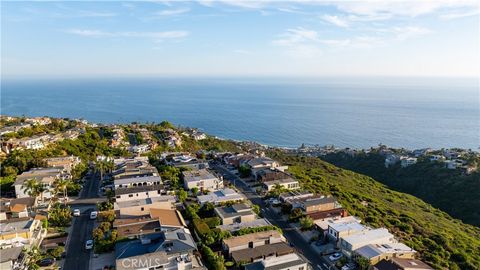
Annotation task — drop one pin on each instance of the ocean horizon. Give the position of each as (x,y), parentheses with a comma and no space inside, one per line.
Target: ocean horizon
(285,112)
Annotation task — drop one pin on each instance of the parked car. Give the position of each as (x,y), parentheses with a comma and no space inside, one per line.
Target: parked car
(89,244)
(335,256)
(76,212)
(93,215)
(46,262)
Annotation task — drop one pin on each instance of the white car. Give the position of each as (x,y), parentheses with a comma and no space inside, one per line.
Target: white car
(349,266)
(89,244)
(93,215)
(335,256)
(76,212)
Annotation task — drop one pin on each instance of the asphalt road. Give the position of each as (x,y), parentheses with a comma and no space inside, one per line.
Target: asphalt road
(82,226)
(289,232)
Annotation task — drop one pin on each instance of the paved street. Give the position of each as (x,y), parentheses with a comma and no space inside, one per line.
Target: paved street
(290,233)
(82,227)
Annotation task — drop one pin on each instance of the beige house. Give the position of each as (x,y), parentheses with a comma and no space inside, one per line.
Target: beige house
(45,175)
(377,252)
(67,163)
(20,232)
(237,213)
(251,240)
(135,208)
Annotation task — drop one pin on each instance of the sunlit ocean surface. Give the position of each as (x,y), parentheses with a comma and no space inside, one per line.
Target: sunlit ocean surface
(409,113)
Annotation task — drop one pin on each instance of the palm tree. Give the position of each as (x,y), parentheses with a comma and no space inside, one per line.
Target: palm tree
(61,185)
(33,256)
(31,187)
(101,166)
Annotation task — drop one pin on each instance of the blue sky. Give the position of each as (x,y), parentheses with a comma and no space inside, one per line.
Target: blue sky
(241,38)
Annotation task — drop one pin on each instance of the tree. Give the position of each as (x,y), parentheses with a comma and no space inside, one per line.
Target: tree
(98,234)
(105,226)
(59,215)
(61,185)
(33,256)
(182,195)
(244,171)
(31,187)
(194,190)
(306,223)
(363,263)
(295,214)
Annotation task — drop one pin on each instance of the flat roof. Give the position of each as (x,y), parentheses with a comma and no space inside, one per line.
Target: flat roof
(141,179)
(245,239)
(367,236)
(374,250)
(259,252)
(145,201)
(122,191)
(261,222)
(276,262)
(198,175)
(323,224)
(234,210)
(168,217)
(348,226)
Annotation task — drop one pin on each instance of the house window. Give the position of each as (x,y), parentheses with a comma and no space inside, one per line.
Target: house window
(130,195)
(301,268)
(142,209)
(250,244)
(158,191)
(146,193)
(118,197)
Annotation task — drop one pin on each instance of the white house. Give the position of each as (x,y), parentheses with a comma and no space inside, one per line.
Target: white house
(201,179)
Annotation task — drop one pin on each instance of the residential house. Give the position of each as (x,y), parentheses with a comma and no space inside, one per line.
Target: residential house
(136,226)
(318,206)
(288,183)
(391,159)
(261,222)
(323,224)
(46,176)
(134,187)
(201,179)
(377,252)
(401,264)
(165,250)
(407,161)
(141,207)
(133,167)
(295,195)
(290,261)
(16,208)
(11,258)
(170,219)
(221,196)
(20,232)
(351,242)
(259,253)
(188,162)
(252,240)
(343,228)
(259,163)
(237,213)
(67,163)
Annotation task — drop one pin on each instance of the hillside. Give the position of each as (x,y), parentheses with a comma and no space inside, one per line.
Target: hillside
(449,190)
(442,241)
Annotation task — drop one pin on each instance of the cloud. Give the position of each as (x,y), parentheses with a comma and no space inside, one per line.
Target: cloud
(456,15)
(404,33)
(335,20)
(401,8)
(172,12)
(157,36)
(295,36)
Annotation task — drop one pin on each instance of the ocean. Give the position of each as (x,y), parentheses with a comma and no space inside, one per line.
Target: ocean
(345,112)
